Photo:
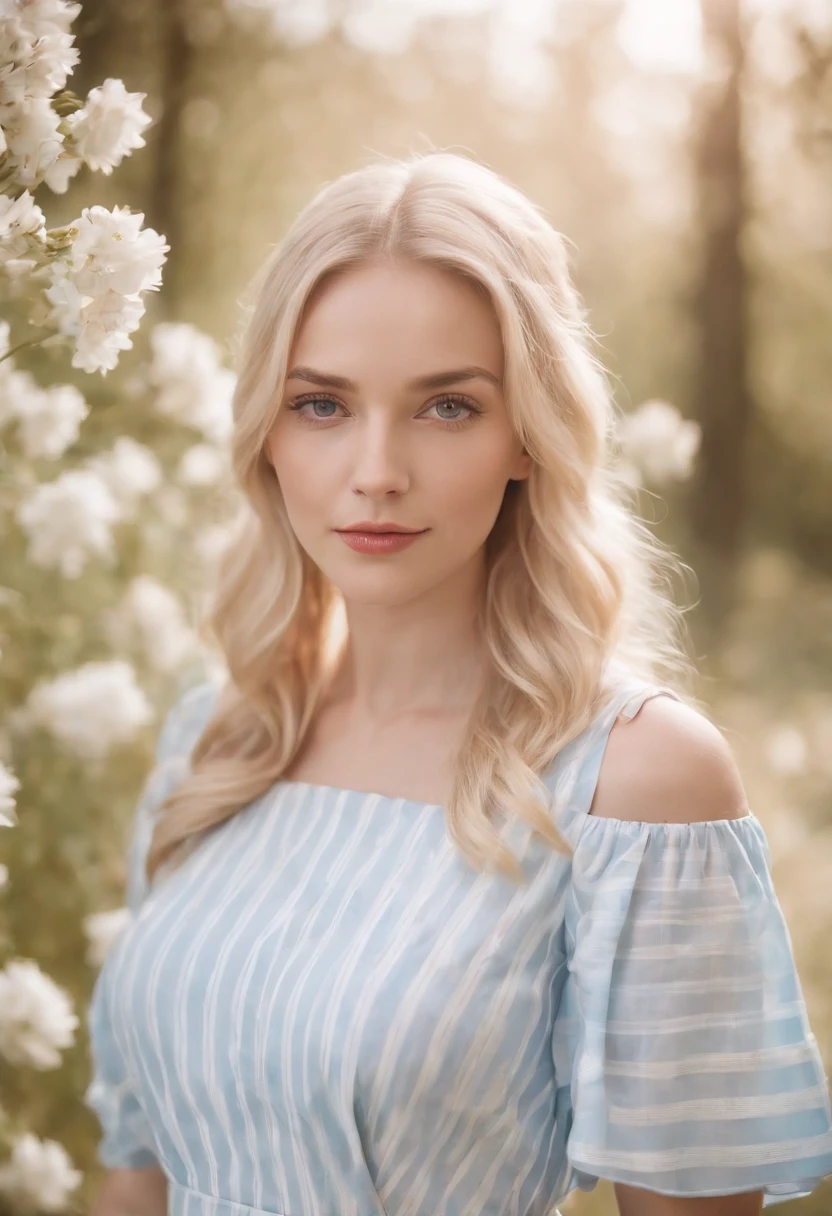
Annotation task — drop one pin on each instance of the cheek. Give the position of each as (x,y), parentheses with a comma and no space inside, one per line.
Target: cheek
(471,483)
(301,473)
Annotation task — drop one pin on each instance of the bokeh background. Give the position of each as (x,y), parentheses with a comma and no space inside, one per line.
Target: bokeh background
(684,147)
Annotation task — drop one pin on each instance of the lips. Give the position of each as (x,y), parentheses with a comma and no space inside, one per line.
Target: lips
(384,528)
(378,542)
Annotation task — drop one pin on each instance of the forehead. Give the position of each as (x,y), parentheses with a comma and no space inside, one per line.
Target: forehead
(402,313)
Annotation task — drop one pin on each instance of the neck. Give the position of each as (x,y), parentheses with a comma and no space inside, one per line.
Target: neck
(422,656)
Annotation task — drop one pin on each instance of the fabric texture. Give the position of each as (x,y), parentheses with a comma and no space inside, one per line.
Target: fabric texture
(326,1010)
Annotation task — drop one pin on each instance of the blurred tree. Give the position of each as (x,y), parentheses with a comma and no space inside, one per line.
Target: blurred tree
(177,57)
(724,401)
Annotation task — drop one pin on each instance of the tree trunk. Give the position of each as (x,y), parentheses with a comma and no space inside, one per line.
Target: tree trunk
(164,211)
(723,394)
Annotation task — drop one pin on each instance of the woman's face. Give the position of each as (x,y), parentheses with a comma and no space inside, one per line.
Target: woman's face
(393,413)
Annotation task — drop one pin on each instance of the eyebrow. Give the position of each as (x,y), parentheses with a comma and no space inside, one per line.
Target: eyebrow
(435,380)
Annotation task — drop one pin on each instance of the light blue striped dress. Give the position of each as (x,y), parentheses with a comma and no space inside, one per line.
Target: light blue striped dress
(326,1012)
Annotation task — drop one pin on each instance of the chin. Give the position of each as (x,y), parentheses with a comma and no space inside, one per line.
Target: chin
(379,588)
(388,593)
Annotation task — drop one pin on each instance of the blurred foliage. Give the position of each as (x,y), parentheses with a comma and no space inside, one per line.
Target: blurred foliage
(246,129)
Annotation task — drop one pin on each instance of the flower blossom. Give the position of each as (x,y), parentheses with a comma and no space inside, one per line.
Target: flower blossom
(103,929)
(37,1021)
(90,709)
(41,1172)
(95,291)
(69,520)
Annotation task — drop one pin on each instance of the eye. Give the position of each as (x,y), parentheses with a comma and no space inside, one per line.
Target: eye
(452,409)
(455,410)
(320,408)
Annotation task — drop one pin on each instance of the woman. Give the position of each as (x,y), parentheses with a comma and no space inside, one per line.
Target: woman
(545,949)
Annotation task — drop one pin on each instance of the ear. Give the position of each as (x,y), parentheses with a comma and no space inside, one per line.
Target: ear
(522,467)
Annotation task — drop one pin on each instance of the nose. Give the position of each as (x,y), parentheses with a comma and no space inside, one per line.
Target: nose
(380,463)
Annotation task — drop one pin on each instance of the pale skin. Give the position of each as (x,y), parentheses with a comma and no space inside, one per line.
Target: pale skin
(382,449)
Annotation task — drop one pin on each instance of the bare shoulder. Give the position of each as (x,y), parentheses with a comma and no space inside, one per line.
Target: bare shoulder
(668,764)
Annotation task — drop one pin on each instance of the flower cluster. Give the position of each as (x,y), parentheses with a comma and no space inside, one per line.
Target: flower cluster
(657,444)
(94,271)
(41,1172)
(90,709)
(71,519)
(82,285)
(37,1023)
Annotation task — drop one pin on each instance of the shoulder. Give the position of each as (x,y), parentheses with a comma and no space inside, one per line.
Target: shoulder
(668,764)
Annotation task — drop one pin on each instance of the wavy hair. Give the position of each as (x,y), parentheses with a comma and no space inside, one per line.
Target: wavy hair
(577,587)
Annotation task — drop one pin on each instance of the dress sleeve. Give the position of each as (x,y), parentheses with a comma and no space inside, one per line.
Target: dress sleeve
(114,1093)
(683,1053)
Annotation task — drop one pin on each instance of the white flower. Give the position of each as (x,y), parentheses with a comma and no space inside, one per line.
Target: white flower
(112,252)
(787,752)
(130,471)
(36,51)
(33,139)
(92,708)
(95,291)
(36,1017)
(65,298)
(103,930)
(9,785)
(68,520)
(192,385)
(105,323)
(41,1171)
(659,442)
(16,390)
(61,172)
(202,465)
(18,272)
(22,225)
(49,420)
(155,613)
(109,126)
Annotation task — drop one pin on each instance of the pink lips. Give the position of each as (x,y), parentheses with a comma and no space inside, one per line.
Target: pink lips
(379,542)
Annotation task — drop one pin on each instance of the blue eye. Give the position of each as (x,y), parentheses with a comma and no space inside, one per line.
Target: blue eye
(464,410)
(455,411)
(316,402)
(454,406)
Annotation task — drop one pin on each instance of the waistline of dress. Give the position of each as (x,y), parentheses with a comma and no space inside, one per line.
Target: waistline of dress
(182,1201)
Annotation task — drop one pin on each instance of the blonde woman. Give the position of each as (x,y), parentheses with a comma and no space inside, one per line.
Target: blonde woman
(468,910)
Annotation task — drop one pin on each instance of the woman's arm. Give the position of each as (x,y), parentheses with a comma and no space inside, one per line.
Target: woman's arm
(132,1193)
(668,763)
(633,1201)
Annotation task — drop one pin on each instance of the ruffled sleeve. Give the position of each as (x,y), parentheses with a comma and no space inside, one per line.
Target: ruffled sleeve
(681,1044)
(114,1092)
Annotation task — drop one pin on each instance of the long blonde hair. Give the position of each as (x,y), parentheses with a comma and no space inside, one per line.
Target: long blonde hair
(576,584)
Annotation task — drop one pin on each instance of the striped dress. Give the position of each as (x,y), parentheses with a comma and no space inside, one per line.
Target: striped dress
(325,1011)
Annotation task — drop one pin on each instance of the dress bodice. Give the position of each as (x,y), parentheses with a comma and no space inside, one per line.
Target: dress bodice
(325,1010)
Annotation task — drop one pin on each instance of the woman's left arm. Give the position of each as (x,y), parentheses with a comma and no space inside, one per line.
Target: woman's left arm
(669,764)
(632,1201)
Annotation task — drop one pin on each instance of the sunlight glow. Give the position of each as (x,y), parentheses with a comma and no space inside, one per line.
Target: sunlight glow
(663,34)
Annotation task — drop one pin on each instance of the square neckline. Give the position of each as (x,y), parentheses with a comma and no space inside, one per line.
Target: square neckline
(316,787)
(323,788)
